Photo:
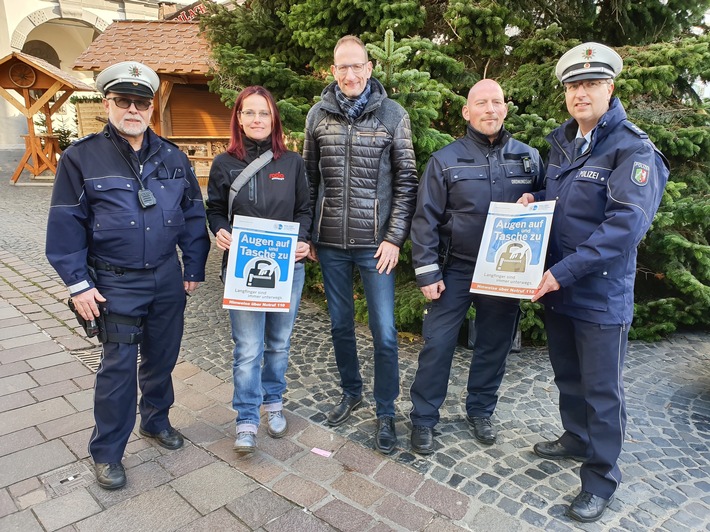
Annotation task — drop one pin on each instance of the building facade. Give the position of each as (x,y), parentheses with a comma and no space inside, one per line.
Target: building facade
(58,31)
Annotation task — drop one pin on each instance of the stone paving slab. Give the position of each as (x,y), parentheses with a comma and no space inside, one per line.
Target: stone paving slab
(160,509)
(62,511)
(462,486)
(33,461)
(35,414)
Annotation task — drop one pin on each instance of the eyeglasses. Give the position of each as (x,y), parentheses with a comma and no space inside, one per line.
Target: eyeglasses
(588,84)
(125,103)
(358,68)
(251,115)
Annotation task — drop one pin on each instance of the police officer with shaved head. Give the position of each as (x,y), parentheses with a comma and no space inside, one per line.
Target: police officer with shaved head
(455,192)
(123,201)
(607,178)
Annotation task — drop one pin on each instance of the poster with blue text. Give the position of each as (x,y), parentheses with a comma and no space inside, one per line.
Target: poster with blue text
(260,265)
(511,259)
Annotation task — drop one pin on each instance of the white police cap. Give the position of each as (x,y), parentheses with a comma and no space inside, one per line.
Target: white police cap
(128,77)
(589,60)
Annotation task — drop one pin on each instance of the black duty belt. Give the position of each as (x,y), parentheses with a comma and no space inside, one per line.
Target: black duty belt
(105,266)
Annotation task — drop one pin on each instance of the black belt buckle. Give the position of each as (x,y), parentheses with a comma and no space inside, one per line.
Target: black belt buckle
(105,266)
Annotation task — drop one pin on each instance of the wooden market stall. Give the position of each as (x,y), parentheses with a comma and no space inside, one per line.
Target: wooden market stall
(44,89)
(186,112)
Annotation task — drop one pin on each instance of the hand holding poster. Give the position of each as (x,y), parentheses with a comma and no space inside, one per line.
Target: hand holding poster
(511,259)
(260,265)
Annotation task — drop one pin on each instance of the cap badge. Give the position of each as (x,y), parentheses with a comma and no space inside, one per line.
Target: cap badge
(134,71)
(588,53)
(587,65)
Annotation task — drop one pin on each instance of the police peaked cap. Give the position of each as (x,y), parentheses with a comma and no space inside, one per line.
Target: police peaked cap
(128,77)
(589,60)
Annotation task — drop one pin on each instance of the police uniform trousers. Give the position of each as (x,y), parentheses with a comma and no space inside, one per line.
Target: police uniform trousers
(496,323)
(588,360)
(158,297)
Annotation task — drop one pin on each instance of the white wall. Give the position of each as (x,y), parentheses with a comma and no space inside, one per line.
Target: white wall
(23,20)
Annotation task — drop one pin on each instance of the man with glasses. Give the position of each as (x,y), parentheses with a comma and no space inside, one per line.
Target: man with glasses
(123,199)
(360,162)
(608,179)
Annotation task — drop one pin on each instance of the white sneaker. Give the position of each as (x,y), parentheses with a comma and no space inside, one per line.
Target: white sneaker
(277,426)
(245,442)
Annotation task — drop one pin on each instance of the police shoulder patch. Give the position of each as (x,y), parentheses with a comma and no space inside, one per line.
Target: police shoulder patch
(640,173)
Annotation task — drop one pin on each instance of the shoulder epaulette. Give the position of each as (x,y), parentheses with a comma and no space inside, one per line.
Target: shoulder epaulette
(83,139)
(633,127)
(169,142)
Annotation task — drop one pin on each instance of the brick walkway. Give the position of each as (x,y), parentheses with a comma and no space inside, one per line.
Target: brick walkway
(47,483)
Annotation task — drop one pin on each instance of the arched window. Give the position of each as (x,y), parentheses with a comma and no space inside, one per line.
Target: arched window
(42,50)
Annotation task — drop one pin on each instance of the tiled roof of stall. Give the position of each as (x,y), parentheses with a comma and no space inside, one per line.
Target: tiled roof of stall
(65,77)
(168,47)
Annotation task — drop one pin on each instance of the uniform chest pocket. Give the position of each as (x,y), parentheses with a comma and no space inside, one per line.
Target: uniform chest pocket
(107,184)
(173,218)
(170,173)
(467,174)
(520,172)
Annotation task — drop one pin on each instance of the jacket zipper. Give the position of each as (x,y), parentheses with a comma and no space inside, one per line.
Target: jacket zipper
(346,186)
(377,215)
(563,151)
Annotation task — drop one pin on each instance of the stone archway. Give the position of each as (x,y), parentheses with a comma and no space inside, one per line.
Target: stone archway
(42,50)
(31,21)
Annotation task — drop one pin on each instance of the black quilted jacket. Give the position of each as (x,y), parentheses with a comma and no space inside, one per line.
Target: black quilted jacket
(362,175)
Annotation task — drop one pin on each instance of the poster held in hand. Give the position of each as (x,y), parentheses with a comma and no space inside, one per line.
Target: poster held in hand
(260,265)
(511,259)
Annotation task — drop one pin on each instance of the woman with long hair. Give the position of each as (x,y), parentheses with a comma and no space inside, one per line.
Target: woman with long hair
(277,191)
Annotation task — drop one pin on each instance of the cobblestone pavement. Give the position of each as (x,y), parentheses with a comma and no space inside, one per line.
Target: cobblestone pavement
(666,457)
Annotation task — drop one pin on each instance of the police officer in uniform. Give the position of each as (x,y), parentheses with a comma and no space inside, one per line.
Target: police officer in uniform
(123,199)
(459,183)
(608,179)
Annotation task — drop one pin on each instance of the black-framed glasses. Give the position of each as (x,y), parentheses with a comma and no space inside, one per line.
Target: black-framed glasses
(251,115)
(357,68)
(125,103)
(588,84)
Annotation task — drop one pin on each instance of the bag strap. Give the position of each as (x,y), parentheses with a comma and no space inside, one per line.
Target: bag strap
(245,175)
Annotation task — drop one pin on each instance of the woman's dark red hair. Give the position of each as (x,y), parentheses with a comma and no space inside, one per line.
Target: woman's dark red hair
(236,144)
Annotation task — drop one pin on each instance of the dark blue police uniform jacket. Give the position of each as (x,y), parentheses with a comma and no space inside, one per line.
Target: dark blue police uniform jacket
(456,189)
(95,209)
(606,201)
(454,194)
(95,216)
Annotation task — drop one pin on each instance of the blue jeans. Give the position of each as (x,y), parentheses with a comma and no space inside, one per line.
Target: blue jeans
(261,344)
(337,266)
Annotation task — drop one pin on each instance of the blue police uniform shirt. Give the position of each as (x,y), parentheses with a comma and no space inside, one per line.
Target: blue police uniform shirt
(95,209)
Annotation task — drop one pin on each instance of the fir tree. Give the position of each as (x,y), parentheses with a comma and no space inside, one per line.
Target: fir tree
(428,53)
